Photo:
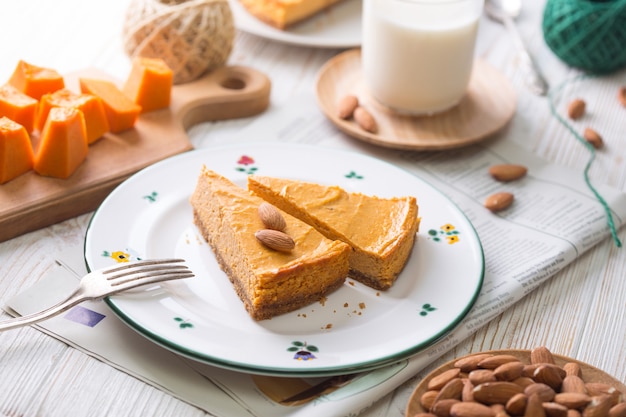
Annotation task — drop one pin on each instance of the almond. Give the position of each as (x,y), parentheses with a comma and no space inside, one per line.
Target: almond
(472,409)
(509,371)
(443,378)
(365,120)
(541,354)
(275,239)
(496,392)
(599,388)
(442,408)
(499,201)
(480,376)
(517,404)
(507,172)
(427,400)
(554,410)
(534,407)
(543,391)
(452,390)
(346,106)
(494,361)
(572,368)
(470,363)
(523,381)
(598,407)
(621,96)
(573,383)
(271,217)
(572,399)
(593,138)
(618,410)
(576,109)
(467,394)
(549,375)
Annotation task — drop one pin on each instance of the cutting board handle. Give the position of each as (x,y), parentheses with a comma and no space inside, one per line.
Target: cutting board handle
(226,93)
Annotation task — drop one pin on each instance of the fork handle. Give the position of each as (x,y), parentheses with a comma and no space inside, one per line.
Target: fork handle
(75,298)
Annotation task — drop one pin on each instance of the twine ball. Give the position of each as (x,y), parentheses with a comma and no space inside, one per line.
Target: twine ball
(587,34)
(192,36)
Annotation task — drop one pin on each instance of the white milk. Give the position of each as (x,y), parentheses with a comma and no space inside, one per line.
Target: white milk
(417,55)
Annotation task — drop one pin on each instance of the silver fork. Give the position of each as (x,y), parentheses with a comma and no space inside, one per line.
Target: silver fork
(109,281)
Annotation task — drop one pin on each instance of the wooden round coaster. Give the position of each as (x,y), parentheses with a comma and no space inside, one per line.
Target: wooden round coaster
(488,106)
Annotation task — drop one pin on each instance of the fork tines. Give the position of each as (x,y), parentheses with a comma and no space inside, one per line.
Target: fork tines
(153,270)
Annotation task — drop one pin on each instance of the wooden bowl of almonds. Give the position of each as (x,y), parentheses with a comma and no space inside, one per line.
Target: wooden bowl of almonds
(528,383)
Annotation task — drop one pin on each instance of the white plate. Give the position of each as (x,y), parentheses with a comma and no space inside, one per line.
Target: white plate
(355,329)
(337,27)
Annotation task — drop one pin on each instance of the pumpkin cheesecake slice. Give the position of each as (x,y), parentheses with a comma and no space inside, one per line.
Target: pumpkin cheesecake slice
(268,281)
(284,13)
(381,231)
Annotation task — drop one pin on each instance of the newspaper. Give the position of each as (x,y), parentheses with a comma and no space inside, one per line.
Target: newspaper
(555,218)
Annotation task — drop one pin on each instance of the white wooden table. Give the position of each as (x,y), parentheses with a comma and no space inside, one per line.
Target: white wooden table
(580,312)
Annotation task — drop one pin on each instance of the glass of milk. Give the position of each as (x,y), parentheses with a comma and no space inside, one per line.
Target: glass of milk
(417,55)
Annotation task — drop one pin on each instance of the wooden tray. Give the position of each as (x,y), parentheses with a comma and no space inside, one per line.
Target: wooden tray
(31,201)
(590,374)
(488,106)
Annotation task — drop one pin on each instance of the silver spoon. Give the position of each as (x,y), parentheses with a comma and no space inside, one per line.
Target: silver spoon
(504,11)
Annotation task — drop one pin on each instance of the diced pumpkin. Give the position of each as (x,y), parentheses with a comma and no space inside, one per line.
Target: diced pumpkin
(35,81)
(16,151)
(63,143)
(120,110)
(18,107)
(149,83)
(96,122)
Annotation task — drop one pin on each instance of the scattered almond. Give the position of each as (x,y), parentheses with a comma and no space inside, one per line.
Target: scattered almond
(621,96)
(576,109)
(275,239)
(593,138)
(507,172)
(271,217)
(346,106)
(499,201)
(365,120)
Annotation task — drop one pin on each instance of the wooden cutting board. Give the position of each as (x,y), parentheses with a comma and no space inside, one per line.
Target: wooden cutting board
(31,201)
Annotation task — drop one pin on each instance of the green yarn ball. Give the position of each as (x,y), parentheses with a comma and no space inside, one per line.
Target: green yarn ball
(587,34)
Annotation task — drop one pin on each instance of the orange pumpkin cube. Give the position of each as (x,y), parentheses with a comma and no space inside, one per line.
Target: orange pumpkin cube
(149,83)
(18,107)
(121,111)
(35,81)
(16,151)
(63,143)
(96,122)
